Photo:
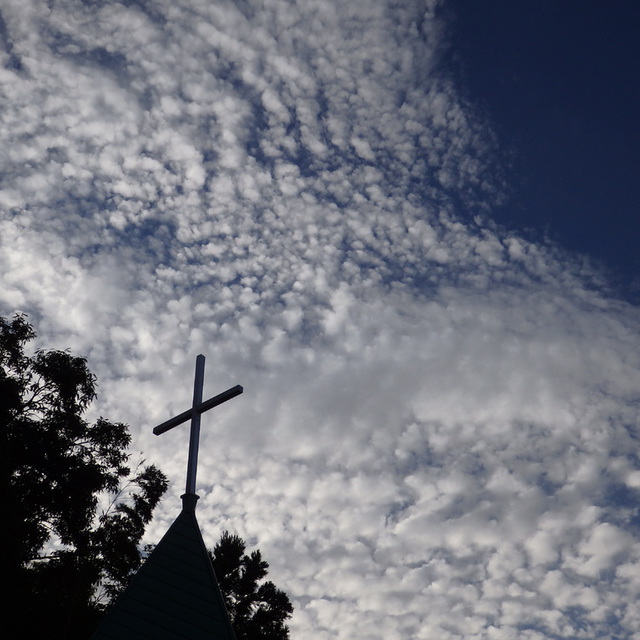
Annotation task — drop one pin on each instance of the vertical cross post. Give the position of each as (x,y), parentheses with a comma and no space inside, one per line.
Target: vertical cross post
(198,407)
(194,435)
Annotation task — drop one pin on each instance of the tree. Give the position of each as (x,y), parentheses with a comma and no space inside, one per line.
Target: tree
(60,553)
(258,610)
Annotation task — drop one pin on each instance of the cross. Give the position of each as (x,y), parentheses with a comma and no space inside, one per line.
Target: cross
(197,409)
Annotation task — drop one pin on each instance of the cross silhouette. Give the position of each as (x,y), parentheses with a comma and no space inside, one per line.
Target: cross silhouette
(197,409)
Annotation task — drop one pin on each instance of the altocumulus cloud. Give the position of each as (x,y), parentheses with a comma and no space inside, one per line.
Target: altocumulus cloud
(439,429)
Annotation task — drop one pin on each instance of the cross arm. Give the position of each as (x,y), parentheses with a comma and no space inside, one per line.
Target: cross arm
(205,406)
(220,398)
(173,422)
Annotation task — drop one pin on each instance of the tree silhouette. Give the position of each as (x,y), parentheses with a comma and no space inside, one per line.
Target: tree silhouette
(258,610)
(60,552)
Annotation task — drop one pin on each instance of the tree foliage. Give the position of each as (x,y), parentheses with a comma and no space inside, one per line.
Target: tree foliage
(58,548)
(258,610)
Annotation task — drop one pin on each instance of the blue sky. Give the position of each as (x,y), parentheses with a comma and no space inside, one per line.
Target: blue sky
(557,80)
(408,242)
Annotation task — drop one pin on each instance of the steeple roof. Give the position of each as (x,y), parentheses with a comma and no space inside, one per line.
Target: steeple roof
(175,594)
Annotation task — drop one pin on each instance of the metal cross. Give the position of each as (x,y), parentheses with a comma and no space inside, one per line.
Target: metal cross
(197,409)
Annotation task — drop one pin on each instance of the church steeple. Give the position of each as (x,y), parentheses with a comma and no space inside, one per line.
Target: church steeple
(175,593)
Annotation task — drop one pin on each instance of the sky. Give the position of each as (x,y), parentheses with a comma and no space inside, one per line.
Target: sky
(557,81)
(408,230)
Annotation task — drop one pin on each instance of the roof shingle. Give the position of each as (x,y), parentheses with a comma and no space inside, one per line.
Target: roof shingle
(174,594)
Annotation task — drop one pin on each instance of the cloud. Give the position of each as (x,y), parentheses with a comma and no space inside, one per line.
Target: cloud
(438,430)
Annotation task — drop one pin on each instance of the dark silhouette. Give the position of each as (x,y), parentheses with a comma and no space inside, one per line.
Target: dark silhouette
(193,415)
(258,610)
(63,556)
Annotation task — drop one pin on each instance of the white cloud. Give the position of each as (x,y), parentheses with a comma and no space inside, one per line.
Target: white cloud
(439,418)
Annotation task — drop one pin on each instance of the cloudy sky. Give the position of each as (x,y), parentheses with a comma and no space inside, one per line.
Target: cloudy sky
(408,229)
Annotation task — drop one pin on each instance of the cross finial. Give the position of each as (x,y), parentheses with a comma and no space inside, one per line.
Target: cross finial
(197,409)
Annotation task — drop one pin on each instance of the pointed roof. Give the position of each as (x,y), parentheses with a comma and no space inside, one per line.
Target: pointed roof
(174,594)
